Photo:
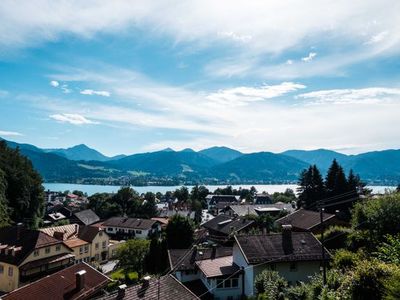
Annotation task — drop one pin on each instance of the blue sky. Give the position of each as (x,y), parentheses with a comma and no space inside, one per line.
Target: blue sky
(126,77)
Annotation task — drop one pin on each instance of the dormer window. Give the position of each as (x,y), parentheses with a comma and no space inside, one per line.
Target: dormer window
(36,253)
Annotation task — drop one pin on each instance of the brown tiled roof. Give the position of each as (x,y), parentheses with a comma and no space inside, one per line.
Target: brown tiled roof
(47,260)
(304,219)
(26,241)
(163,221)
(62,285)
(221,266)
(167,288)
(177,256)
(73,231)
(87,216)
(296,246)
(129,223)
(75,242)
(225,224)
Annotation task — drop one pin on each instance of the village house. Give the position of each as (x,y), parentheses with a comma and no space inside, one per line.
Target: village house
(258,209)
(263,198)
(165,288)
(222,228)
(89,243)
(85,217)
(204,269)
(213,200)
(26,255)
(79,281)
(309,220)
(296,256)
(125,228)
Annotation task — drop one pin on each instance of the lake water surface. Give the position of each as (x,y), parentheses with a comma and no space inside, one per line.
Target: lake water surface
(92,189)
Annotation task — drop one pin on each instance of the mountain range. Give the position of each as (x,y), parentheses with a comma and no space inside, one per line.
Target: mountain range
(81,164)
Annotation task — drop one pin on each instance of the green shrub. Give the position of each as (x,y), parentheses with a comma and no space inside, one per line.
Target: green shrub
(270,285)
(344,259)
(336,236)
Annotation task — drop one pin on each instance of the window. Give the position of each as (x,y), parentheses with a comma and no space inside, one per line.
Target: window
(101,233)
(138,231)
(58,248)
(1,269)
(235,282)
(97,256)
(47,250)
(293,267)
(36,253)
(10,271)
(104,244)
(86,248)
(220,283)
(81,250)
(96,246)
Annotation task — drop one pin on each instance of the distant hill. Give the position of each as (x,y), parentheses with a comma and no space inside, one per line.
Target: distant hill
(80,152)
(320,157)
(213,165)
(221,154)
(260,166)
(166,163)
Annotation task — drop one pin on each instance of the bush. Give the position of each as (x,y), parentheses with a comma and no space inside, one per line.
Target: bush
(367,280)
(270,285)
(336,236)
(344,259)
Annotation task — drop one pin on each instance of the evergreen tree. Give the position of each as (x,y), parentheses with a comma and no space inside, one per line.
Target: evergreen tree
(4,213)
(179,232)
(24,190)
(311,188)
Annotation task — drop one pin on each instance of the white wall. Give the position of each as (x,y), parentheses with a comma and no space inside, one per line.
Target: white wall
(239,259)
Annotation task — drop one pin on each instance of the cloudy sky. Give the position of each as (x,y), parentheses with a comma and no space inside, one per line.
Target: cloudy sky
(134,76)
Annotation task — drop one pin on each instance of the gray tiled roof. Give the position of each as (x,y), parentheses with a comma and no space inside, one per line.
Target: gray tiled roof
(296,246)
(304,219)
(167,288)
(134,223)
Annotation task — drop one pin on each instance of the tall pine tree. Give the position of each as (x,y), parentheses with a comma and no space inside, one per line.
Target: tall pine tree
(311,188)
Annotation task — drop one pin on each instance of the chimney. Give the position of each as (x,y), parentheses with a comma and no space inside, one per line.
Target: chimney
(80,280)
(145,285)
(76,228)
(214,251)
(18,233)
(194,254)
(287,242)
(59,235)
(121,291)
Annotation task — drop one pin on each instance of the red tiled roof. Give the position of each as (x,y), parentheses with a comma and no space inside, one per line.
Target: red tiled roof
(47,260)
(62,285)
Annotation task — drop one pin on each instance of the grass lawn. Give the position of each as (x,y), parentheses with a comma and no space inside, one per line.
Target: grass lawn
(120,275)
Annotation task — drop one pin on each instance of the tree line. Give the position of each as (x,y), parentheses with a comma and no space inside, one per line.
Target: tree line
(313,190)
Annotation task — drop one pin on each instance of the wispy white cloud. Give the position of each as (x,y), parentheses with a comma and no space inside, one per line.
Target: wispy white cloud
(243,95)
(309,57)
(10,133)
(352,96)
(54,83)
(74,119)
(93,92)
(65,89)
(208,23)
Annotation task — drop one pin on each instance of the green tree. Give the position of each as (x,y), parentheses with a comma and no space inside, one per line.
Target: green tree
(4,211)
(179,232)
(373,219)
(157,257)
(148,208)
(127,200)
(24,190)
(182,194)
(132,254)
(311,188)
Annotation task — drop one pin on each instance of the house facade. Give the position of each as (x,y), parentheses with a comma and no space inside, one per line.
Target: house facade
(125,228)
(89,243)
(296,256)
(26,255)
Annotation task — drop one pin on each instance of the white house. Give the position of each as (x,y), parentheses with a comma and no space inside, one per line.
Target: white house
(131,227)
(296,256)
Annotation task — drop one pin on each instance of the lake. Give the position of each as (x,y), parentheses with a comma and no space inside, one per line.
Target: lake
(92,189)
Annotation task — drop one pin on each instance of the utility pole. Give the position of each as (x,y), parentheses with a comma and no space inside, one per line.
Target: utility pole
(321,209)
